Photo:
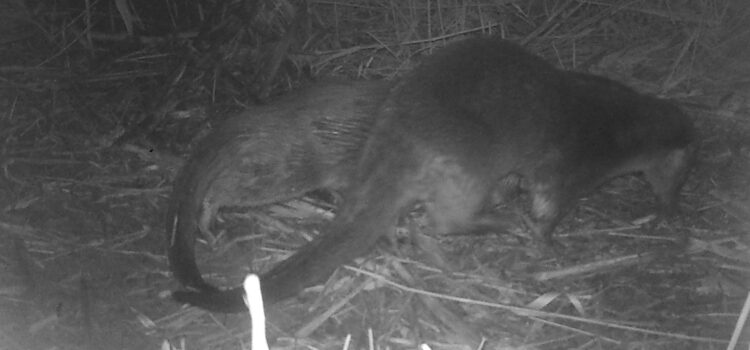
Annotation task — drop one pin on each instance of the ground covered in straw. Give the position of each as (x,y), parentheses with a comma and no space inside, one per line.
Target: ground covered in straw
(102,104)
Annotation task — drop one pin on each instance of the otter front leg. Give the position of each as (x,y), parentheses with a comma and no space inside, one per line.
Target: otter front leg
(666,174)
(550,201)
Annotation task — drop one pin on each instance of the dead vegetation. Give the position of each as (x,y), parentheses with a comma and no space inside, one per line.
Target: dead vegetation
(103,100)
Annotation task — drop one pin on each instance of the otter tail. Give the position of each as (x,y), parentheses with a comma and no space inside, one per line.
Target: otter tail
(312,264)
(187,205)
(372,208)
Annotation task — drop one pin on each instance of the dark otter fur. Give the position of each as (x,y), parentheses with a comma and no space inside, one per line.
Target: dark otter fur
(311,139)
(473,114)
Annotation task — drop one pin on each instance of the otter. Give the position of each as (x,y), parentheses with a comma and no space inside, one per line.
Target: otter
(479,115)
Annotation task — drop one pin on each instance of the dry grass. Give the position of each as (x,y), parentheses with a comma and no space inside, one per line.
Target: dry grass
(95,125)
